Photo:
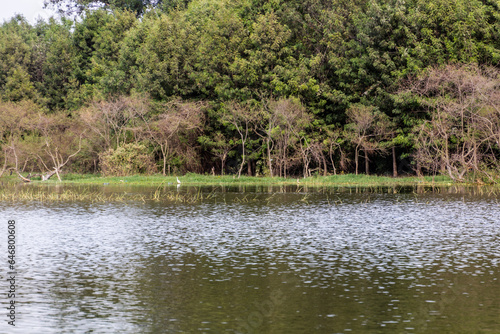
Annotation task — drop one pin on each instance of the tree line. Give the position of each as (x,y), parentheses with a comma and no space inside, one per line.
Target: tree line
(278,88)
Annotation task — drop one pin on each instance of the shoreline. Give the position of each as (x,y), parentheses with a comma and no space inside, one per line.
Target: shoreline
(158,188)
(200,180)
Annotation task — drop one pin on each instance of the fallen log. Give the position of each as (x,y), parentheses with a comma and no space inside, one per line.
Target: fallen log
(24,179)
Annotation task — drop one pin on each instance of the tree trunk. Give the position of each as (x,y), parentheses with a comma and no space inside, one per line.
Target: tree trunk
(475,158)
(242,161)
(333,163)
(284,163)
(269,157)
(47,176)
(24,179)
(249,167)
(367,163)
(4,168)
(164,153)
(394,163)
(324,166)
(356,159)
(446,163)
(58,176)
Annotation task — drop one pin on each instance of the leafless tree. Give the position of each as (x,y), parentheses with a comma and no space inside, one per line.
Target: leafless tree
(16,120)
(111,119)
(221,148)
(333,143)
(462,132)
(61,140)
(366,129)
(175,131)
(242,117)
(286,122)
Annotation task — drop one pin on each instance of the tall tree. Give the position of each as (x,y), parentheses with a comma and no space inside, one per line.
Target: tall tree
(175,130)
(60,141)
(366,129)
(242,118)
(16,122)
(462,134)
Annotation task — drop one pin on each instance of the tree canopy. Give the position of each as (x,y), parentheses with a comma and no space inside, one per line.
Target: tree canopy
(332,63)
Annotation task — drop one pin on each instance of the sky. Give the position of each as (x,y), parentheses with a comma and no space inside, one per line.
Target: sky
(30,9)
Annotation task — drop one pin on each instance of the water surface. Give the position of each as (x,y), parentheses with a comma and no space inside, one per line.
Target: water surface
(260,260)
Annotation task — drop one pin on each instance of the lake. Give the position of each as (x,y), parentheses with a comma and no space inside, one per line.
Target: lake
(257,259)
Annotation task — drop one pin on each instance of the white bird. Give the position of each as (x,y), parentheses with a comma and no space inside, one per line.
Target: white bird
(178,182)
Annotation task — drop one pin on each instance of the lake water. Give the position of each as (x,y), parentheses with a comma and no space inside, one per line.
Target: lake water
(258,260)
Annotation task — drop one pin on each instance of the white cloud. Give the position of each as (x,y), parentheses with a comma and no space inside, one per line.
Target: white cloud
(30,9)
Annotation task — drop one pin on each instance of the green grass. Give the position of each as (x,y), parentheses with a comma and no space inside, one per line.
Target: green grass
(197,180)
(90,187)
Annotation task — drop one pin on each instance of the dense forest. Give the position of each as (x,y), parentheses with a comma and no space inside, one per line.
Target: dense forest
(277,88)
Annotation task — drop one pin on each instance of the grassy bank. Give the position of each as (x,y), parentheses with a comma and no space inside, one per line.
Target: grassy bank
(157,188)
(197,180)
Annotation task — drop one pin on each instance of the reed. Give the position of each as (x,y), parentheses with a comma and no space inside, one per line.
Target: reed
(44,195)
(86,194)
(95,189)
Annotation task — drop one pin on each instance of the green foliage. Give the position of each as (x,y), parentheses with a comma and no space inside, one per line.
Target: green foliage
(98,40)
(18,86)
(54,79)
(128,159)
(16,46)
(327,56)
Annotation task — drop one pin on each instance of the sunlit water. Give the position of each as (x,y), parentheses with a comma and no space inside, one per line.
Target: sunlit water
(255,262)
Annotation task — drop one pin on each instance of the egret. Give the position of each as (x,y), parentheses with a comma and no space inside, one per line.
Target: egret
(178,182)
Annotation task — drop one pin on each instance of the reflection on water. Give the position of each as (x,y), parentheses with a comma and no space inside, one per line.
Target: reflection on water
(254,261)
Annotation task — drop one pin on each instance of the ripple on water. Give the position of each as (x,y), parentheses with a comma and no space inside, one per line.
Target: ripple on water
(104,266)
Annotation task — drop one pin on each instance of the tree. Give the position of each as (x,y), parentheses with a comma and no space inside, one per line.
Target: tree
(128,159)
(220,146)
(16,122)
(462,134)
(55,56)
(113,120)
(98,40)
(18,42)
(282,129)
(242,118)
(18,86)
(366,129)
(60,139)
(159,56)
(220,38)
(16,46)
(333,142)
(175,130)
